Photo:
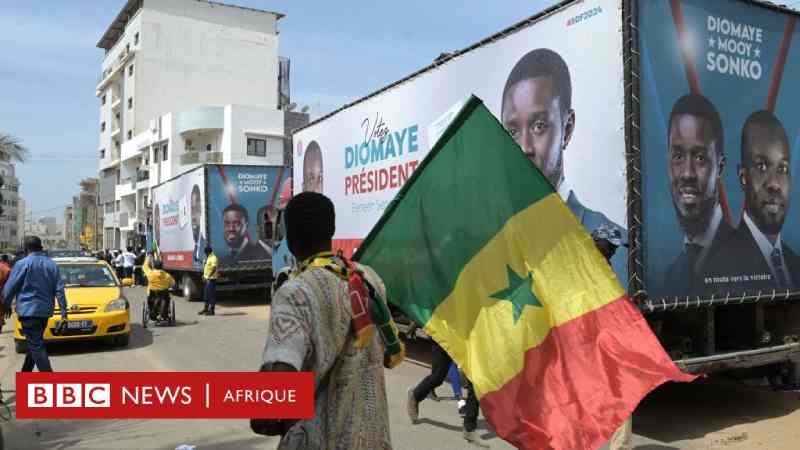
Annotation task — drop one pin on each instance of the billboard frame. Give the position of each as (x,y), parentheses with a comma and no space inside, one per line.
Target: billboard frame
(638,286)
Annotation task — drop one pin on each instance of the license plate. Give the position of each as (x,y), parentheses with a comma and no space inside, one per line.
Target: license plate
(79,324)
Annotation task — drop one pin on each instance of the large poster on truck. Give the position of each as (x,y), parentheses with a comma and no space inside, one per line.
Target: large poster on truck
(243,208)
(555,82)
(178,225)
(720,139)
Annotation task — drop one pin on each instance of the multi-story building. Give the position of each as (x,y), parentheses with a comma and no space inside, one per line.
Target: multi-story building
(84,216)
(20,220)
(48,230)
(183,82)
(9,220)
(69,217)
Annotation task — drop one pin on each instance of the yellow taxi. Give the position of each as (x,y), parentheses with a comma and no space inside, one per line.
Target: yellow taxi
(97,308)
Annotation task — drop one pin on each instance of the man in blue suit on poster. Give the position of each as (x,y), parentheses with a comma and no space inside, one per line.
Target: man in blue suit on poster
(695,164)
(537,112)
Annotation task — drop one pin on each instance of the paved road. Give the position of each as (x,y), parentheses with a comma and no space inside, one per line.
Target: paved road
(678,417)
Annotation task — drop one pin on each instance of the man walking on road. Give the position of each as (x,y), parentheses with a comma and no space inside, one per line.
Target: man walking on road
(128,263)
(35,282)
(310,329)
(439,368)
(210,276)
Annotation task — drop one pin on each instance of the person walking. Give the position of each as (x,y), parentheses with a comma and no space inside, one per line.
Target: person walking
(440,366)
(210,276)
(35,282)
(5,272)
(313,328)
(128,263)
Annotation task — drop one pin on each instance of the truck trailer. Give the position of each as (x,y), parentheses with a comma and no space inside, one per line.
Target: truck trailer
(668,123)
(232,208)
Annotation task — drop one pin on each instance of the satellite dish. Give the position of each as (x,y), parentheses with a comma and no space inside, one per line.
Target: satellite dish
(304,109)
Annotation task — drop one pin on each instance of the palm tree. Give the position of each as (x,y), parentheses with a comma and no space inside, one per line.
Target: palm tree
(11,148)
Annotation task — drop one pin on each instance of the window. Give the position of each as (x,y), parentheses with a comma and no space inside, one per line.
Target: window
(130,102)
(130,70)
(156,154)
(104,99)
(127,48)
(208,147)
(102,153)
(136,39)
(116,144)
(256,147)
(165,150)
(130,134)
(103,126)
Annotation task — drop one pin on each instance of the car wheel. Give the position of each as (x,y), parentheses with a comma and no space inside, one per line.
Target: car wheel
(20,346)
(122,341)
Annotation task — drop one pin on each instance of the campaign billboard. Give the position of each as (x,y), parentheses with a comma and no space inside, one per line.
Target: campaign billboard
(559,97)
(243,208)
(719,140)
(178,224)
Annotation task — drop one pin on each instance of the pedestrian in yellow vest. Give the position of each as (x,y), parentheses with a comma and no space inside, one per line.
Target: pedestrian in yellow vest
(210,276)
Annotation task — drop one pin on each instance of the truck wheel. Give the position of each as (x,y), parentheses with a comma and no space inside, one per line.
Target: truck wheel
(191,288)
(20,346)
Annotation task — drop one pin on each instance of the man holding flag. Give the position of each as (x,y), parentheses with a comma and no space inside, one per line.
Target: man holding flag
(510,284)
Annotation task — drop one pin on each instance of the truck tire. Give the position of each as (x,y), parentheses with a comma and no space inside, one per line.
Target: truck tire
(191,288)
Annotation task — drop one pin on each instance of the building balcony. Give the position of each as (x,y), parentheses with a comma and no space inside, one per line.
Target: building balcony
(126,187)
(114,69)
(201,158)
(110,220)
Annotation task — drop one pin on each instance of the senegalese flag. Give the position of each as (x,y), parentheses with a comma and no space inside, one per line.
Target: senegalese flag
(479,249)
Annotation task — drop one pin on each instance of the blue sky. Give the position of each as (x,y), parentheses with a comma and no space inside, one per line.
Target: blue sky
(49,66)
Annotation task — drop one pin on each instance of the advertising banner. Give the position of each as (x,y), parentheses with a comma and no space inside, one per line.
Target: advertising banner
(244,203)
(178,224)
(562,103)
(720,141)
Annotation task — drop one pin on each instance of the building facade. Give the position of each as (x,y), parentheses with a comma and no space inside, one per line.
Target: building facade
(183,83)
(10,232)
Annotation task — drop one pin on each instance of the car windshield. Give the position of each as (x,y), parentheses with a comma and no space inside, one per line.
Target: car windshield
(86,275)
(66,253)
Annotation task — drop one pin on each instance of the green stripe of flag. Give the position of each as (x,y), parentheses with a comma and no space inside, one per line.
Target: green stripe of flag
(426,235)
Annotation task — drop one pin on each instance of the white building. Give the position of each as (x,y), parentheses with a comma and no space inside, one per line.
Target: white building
(20,220)
(9,220)
(183,82)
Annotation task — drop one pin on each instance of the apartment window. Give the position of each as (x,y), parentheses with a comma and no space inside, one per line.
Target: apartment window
(103,126)
(127,48)
(102,153)
(117,116)
(156,154)
(165,152)
(130,102)
(104,99)
(116,144)
(209,147)
(136,39)
(130,70)
(256,147)
(130,134)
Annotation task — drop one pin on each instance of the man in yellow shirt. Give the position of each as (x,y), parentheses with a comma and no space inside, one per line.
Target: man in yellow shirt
(210,276)
(159,283)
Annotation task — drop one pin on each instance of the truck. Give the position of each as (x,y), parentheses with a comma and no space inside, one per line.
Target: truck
(669,123)
(232,208)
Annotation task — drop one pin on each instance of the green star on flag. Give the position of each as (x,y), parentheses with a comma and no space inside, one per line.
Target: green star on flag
(519,292)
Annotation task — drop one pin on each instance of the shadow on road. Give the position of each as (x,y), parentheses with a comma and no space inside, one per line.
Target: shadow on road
(679,411)
(140,337)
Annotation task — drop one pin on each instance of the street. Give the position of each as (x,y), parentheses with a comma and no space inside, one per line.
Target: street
(711,414)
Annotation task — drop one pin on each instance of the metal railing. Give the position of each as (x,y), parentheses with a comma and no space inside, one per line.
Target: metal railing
(201,158)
